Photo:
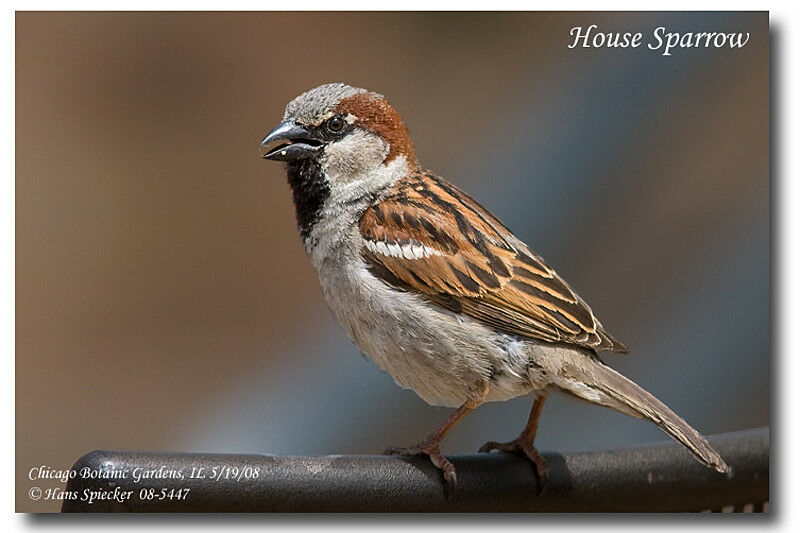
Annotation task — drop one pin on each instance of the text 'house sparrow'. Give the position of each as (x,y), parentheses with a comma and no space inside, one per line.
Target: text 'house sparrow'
(433,287)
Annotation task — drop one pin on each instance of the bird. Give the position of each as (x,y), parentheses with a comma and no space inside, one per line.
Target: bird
(433,288)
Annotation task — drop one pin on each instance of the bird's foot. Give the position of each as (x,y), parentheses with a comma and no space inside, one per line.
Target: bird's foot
(525,446)
(431,449)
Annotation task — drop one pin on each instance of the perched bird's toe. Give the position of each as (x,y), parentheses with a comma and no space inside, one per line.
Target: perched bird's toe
(394,450)
(447,468)
(431,449)
(417,449)
(509,447)
(522,446)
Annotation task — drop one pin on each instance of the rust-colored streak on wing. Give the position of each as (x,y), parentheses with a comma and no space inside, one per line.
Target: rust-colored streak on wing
(431,238)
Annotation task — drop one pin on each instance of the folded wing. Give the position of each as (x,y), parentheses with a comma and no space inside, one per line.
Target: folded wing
(432,238)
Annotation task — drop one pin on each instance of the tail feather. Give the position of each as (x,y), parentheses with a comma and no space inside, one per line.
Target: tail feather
(600,384)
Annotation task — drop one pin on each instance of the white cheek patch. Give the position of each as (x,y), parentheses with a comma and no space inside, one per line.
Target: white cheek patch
(355,157)
(409,250)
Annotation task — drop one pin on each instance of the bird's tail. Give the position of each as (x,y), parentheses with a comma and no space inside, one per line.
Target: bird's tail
(597,383)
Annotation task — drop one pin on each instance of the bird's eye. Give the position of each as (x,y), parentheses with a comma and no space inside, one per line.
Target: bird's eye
(336,124)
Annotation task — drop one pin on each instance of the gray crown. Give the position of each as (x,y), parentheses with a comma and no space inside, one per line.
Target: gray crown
(311,105)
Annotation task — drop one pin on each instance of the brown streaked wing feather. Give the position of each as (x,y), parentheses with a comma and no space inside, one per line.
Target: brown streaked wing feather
(430,237)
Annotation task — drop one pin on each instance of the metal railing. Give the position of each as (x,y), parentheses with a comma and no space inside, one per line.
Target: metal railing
(651,478)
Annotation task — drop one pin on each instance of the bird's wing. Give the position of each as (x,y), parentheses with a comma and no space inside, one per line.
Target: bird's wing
(429,237)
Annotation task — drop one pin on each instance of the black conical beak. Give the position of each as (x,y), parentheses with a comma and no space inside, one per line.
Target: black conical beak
(290,141)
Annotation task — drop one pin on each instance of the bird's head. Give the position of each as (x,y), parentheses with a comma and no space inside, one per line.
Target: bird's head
(340,143)
(344,129)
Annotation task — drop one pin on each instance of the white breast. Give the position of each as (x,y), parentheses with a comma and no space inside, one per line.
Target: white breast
(442,356)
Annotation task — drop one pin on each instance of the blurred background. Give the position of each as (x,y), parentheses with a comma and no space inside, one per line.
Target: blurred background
(163,297)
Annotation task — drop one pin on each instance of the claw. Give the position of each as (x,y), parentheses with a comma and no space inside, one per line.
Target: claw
(394,450)
(435,456)
(524,446)
(430,446)
(489,446)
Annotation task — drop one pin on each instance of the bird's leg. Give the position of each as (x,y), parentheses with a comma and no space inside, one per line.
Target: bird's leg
(524,443)
(430,446)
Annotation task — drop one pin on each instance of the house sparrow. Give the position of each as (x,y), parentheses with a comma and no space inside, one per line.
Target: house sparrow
(433,287)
